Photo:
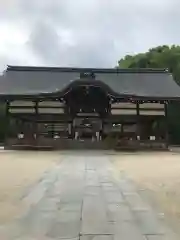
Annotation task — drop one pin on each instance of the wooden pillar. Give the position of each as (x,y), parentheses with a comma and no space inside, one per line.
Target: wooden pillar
(52,130)
(137,108)
(138,121)
(7,103)
(102,129)
(69,129)
(122,130)
(35,121)
(166,124)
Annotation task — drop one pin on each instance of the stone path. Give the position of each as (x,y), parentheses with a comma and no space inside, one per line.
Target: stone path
(86,198)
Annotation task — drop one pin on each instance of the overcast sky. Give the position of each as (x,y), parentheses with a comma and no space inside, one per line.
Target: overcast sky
(84,33)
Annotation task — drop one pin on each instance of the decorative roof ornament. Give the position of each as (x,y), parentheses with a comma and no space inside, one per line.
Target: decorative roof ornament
(88,75)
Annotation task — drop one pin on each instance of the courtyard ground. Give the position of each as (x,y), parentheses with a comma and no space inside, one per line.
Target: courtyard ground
(84,195)
(19,171)
(157,177)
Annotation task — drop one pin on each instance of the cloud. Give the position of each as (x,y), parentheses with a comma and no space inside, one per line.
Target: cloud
(91,33)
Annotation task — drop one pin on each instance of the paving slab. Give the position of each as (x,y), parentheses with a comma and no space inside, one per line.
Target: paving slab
(126,186)
(67,230)
(161,237)
(113,197)
(107,184)
(136,202)
(68,216)
(93,191)
(109,188)
(37,222)
(148,223)
(49,204)
(94,217)
(119,213)
(127,231)
(101,228)
(73,206)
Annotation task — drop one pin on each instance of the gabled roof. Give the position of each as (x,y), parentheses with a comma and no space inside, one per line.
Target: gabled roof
(137,83)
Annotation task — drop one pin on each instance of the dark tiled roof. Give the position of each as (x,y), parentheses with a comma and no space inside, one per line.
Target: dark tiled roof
(95,70)
(148,83)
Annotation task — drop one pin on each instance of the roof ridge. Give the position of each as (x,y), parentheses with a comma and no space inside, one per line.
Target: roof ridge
(78,69)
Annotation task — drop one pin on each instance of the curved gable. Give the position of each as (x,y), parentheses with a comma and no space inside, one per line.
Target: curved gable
(35,81)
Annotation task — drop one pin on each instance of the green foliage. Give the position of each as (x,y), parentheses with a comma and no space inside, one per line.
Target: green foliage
(159,57)
(167,57)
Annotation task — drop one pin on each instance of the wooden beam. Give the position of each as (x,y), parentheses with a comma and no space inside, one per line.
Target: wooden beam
(22,110)
(123,111)
(51,104)
(18,103)
(123,105)
(152,112)
(50,110)
(151,106)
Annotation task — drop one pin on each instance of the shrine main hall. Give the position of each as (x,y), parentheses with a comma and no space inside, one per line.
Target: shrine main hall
(73,108)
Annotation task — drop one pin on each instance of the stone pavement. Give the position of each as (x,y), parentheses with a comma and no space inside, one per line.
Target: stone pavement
(86,198)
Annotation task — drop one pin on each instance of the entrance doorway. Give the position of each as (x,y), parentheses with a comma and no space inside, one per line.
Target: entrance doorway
(87,105)
(87,128)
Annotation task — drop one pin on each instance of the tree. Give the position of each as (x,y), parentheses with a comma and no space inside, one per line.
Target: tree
(167,57)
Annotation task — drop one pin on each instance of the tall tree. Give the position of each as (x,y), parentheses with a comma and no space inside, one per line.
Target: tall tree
(160,57)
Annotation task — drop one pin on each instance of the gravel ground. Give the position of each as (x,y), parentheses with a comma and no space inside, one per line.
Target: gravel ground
(18,172)
(157,176)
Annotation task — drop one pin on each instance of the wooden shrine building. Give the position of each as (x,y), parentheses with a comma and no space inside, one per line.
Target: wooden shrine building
(62,108)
